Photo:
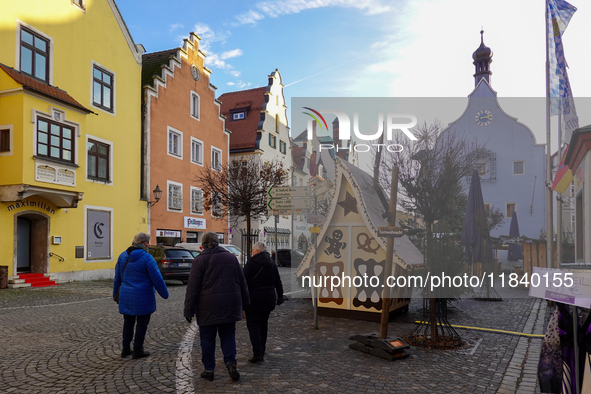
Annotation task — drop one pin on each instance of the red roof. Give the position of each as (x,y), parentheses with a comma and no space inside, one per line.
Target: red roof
(244,131)
(43,88)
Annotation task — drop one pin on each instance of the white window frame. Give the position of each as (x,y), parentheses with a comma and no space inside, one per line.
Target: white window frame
(198,117)
(219,151)
(507,206)
(193,211)
(523,165)
(111,154)
(20,24)
(168,185)
(51,115)
(9,127)
(180,134)
(238,115)
(200,143)
(94,64)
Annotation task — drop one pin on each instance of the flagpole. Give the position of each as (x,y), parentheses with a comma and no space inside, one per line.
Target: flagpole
(559,201)
(549,216)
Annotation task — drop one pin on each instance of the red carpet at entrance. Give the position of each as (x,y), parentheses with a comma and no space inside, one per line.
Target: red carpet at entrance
(37,280)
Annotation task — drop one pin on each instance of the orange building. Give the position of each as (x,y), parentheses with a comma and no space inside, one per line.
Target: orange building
(183,133)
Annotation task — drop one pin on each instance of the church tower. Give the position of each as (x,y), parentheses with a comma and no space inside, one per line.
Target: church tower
(482,60)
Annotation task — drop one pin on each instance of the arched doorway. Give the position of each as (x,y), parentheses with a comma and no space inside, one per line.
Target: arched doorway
(31,243)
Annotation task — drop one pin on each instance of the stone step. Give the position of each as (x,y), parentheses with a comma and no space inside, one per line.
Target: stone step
(18,285)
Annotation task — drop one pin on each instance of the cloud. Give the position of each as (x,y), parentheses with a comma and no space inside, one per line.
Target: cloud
(243,84)
(176,26)
(209,37)
(250,17)
(231,54)
(235,73)
(231,83)
(276,8)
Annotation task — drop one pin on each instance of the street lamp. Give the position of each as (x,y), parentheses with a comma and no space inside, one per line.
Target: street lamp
(157,195)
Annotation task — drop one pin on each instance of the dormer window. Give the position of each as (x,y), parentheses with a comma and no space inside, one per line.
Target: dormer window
(238,115)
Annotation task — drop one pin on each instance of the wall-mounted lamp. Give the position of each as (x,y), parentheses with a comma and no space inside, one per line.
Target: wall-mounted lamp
(157,195)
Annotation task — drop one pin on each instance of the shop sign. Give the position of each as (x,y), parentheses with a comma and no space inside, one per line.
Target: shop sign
(196,223)
(29,203)
(168,233)
(98,230)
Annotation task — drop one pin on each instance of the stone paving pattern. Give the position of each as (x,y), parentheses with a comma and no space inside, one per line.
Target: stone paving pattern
(66,339)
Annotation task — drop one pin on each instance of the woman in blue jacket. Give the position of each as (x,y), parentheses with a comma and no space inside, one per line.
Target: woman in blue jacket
(137,274)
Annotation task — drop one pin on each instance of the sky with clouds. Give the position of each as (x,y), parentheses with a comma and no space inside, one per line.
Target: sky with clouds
(367,48)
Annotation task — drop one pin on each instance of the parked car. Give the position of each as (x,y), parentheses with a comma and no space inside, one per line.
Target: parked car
(197,248)
(285,257)
(173,263)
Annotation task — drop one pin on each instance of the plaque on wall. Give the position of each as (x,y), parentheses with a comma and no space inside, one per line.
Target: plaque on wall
(65,177)
(45,174)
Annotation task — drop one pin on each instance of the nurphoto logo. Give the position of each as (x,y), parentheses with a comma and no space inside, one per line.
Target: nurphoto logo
(391,124)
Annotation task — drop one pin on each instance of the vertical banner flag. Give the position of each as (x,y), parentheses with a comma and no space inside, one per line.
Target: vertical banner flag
(563,177)
(559,15)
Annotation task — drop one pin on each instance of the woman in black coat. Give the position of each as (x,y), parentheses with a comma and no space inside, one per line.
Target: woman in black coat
(265,290)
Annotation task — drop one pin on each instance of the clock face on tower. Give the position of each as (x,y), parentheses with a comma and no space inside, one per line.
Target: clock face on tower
(483,117)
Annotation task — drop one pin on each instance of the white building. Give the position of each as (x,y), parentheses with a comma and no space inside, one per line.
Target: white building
(257,119)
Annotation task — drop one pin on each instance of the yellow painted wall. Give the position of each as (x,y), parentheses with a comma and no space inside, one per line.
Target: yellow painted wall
(78,37)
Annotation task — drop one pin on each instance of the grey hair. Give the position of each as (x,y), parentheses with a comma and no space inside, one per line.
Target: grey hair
(260,246)
(210,240)
(140,238)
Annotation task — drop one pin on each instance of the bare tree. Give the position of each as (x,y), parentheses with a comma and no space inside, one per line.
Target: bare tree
(238,189)
(431,171)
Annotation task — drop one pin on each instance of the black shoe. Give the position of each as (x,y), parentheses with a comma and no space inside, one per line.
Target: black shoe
(256,359)
(140,354)
(233,372)
(125,352)
(207,375)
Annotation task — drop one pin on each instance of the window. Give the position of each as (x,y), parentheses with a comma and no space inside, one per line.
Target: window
(196,201)
(175,196)
(98,160)
(517,167)
(272,141)
(244,164)
(216,205)
(277,123)
(510,208)
(55,140)
(102,88)
(238,116)
(282,146)
(175,143)
(481,168)
(79,3)
(216,159)
(5,140)
(196,151)
(195,105)
(34,55)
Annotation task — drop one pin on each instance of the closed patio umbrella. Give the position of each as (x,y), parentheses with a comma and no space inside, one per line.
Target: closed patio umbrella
(515,252)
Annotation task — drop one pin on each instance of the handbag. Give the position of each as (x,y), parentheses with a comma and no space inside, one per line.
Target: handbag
(116,298)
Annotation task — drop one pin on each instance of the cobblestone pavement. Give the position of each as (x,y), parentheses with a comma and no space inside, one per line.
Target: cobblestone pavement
(66,339)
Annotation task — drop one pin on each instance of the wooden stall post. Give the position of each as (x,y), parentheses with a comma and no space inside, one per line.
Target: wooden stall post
(389,254)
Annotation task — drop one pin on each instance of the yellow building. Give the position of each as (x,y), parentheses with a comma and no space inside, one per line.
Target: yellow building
(70,138)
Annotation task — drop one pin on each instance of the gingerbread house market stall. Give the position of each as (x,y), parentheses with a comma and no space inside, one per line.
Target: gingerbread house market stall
(349,247)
